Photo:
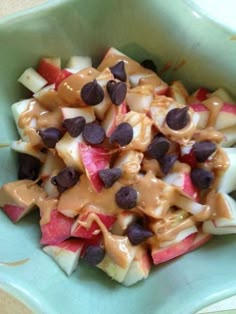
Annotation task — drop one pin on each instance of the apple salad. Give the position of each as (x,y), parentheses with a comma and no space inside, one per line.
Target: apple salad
(126,171)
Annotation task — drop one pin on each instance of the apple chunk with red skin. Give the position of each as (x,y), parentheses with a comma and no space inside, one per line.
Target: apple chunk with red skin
(57,229)
(78,230)
(66,254)
(201,239)
(48,70)
(17,205)
(94,159)
(161,255)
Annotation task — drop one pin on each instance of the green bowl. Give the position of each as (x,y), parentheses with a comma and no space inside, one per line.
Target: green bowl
(166,31)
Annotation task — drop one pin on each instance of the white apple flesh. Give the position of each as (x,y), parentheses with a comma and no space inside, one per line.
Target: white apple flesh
(32,80)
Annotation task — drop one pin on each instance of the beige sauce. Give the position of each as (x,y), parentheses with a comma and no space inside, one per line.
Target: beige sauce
(209,134)
(214,105)
(46,206)
(69,89)
(13,264)
(219,206)
(11,305)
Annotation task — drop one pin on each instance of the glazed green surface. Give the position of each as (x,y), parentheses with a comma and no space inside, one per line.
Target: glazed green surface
(143,29)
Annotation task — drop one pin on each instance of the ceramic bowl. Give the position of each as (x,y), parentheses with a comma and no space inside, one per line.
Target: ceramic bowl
(165,31)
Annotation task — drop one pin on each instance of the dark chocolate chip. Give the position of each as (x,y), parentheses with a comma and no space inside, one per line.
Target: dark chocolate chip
(117,92)
(92,93)
(118,70)
(158,147)
(126,197)
(94,254)
(109,176)
(50,136)
(138,234)
(202,178)
(29,167)
(177,118)
(166,162)
(122,135)
(203,150)
(74,126)
(65,179)
(149,64)
(93,133)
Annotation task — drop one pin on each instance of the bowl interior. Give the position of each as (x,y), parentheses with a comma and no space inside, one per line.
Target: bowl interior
(142,29)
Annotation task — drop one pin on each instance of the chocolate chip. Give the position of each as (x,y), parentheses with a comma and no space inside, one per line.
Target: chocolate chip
(109,176)
(202,178)
(166,162)
(177,118)
(118,70)
(138,234)
(122,135)
(117,92)
(158,147)
(74,126)
(50,136)
(29,167)
(126,197)
(203,150)
(92,93)
(93,133)
(65,179)
(149,64)
(94,254)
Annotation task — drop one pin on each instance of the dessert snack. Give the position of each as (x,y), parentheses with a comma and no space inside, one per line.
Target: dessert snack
(125,170)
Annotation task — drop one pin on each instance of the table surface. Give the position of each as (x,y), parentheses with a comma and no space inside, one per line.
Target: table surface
(8,7)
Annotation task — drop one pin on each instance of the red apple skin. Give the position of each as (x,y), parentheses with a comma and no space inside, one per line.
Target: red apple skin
(161,255)
(230,108)
(123,108)
(202,93)
(72,245)
(189,159)
(95,240)
(14,212)
(57,230)
(48,71)
(82,232)
(63,74)
(94,159)
(163,92)
(200,242)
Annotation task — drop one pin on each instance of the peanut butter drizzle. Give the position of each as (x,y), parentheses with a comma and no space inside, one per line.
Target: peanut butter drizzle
(51,100)
(209,134)
(214,105)
(152,165)
(218,205)
(46,206)
(117,247)
(21,193)
(13,264)
(69,89)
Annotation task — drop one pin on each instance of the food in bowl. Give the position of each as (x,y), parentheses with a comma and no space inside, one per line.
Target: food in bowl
(126,170)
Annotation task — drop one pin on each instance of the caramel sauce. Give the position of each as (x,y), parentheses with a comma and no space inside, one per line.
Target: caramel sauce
(218,205)
(69,89)
(209,134)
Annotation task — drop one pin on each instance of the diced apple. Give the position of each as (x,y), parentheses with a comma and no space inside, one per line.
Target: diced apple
(227,181)
(124,219)
(27,148)
(17,109)
(139,269)
(66,254)
(18,204)
(32,80)
(230,203)
(52,162)
(54,60)
(209,227)
(79,63)
(61,77)
(48,71)
(80,231)
(180,236)
(95,240)
(68,149)
(94,159)
(109,123)
(200,240)
(48,187)
(199,95)
(129,162)
(229,136)
(140,98)
(224,95)
(183,182)
(57,229)
(43,91)
(161,255)
(87,113)
(178,92)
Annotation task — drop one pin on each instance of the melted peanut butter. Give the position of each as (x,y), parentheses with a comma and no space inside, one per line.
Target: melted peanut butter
(152,165)
(69,89)
(209,134)
(214,105)
(16,263)
(46,206)
(218,204)
(117,247)
(51,100)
